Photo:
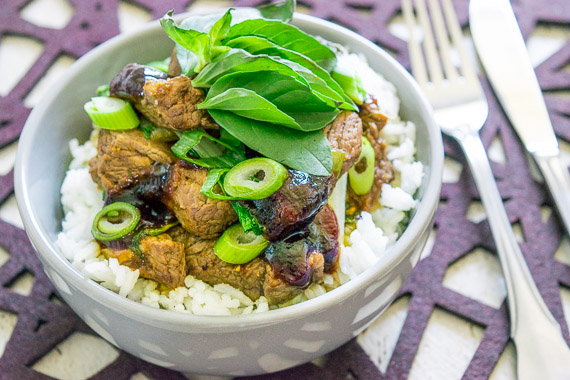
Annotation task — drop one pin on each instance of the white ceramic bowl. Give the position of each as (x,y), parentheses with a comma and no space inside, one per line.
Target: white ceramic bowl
(230,345)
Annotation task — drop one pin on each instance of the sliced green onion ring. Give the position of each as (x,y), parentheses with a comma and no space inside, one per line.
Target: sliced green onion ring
(115,221)
(236,246)
(361,175)
(111,113)
(256,178)
(338,159)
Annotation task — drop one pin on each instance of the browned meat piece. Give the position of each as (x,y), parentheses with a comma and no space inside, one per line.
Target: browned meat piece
(345,134)
(167,102)
(205,265)
(204,217)
(125,156)
(174,68)
(162,259)
(172,103)
(277,290)
(372,118)
(373,122)
(293,206)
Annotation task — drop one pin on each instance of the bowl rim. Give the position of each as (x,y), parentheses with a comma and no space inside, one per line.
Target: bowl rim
(135,310)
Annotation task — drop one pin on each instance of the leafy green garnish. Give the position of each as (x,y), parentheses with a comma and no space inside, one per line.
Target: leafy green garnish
(211,152)
(146,127)
(247,103)
(248,222)
(204,46)
(306,151)
(347,77)
(285,93)
(287,36)
(160,65)
(259,45)
(237,60)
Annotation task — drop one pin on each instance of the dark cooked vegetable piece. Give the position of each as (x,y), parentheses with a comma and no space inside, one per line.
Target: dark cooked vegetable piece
(324,234)
(291,208)
(129,83)
(204,217)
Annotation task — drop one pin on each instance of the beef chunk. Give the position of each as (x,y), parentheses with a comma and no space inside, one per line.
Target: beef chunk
(129,83)
(172,103)
(293,206)
(205,265)
(204,217)
(125,156)
(345,134)
(162,259)
(372,122)
(372,119)
(167,102)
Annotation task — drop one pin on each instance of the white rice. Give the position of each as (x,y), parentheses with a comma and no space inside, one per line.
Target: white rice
(374,234)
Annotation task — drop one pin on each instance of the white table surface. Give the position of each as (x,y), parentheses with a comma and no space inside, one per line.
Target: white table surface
(448,343)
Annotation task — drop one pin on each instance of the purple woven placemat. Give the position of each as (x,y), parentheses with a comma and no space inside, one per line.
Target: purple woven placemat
(43,322)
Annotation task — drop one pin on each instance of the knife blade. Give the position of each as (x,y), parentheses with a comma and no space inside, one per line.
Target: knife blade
(502,51)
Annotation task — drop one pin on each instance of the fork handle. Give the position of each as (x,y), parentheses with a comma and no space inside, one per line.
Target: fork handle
(558,181)
(537,335)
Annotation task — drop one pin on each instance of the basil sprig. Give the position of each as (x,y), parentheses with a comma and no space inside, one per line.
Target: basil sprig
(268,83)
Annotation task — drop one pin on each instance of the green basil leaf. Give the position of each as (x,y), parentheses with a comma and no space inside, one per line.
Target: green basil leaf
(282,10)
(248,222)
(287,36)
(306,151)
(212,152)
(196,42)
(240,60)
(220,29)
(248,104)
(286,93)
(259,45)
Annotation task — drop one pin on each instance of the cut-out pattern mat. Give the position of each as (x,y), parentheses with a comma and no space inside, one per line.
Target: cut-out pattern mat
(42,321)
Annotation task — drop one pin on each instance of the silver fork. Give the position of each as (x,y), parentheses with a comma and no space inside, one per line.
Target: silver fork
(461,110)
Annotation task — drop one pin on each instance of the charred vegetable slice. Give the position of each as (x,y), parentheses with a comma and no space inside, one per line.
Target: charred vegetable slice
(115,221)
(361,175)
(236,246)
(256,178)
(111,113)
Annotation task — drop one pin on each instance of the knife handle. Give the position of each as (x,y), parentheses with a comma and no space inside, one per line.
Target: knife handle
(558,180)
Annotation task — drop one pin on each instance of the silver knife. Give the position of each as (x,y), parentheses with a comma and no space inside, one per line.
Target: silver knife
(541,353)
(502,51)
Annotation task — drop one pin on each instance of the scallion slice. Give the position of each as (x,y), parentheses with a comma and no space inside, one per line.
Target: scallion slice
(115,221)
(111,113)
(236,246)
(256,178)
(361,175)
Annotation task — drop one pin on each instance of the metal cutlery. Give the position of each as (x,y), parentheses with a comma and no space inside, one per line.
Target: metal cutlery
(503,53)
(461,110)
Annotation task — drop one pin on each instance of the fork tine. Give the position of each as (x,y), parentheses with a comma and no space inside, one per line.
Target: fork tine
(457,38)
(430,50)
(416,59)
(442,39)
